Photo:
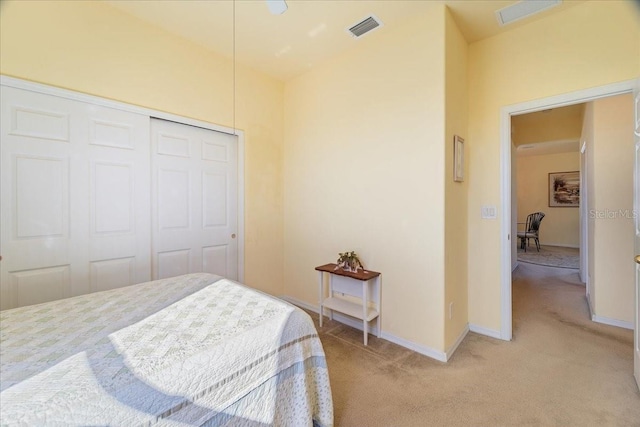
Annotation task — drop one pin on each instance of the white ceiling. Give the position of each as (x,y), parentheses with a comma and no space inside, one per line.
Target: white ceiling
(311,31)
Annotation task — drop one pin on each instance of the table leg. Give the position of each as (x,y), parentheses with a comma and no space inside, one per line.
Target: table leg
(378,305)
(330,294)
(365,303)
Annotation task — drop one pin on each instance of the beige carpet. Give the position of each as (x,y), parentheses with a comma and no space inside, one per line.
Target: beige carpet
(551,256)
(560,370)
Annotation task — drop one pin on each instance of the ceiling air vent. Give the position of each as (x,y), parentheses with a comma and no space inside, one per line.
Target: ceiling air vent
(368,24)
(523,9)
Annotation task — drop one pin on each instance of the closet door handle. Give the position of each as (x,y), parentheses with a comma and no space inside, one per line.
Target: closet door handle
(233,236)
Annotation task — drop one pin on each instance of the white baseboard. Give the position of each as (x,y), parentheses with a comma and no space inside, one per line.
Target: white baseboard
(607,320)
(612,322)
(485,331)
(299,303)
(357,324)
(455,345)
(418,348)
(588,297)
(515,266)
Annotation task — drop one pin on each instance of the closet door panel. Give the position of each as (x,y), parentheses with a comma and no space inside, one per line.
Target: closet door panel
(108,273)
(215,259)
(174,199)
(41,186)
(74,195)
(112,207)
(214,199)
(119,198)
(194,204)
(219,156)
(36,140)
(174,263)
(40,285)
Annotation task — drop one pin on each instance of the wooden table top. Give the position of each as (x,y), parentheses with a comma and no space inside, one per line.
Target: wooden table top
(360,275)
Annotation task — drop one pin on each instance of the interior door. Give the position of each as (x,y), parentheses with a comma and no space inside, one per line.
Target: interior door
(74,196)
(194,201)
(636,203)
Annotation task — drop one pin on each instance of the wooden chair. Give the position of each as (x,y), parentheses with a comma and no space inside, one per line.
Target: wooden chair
(531,230)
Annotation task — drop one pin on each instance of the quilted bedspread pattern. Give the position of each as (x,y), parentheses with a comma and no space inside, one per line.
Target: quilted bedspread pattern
(191,350)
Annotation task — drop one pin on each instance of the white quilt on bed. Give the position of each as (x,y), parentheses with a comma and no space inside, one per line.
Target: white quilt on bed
(192,350)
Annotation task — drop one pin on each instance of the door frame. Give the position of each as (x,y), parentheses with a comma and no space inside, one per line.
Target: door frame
(563,100)
(636,205)
(96,100)
(584,227)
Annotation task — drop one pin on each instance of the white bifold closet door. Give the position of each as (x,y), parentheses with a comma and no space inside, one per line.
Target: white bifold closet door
(194,200)
(75,198)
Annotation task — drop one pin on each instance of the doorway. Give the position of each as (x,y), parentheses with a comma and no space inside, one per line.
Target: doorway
(507,228)
(546,176)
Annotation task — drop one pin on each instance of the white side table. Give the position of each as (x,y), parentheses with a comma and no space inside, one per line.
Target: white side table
(353,284)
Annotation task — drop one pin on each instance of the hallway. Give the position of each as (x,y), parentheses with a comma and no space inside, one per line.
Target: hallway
(589,362)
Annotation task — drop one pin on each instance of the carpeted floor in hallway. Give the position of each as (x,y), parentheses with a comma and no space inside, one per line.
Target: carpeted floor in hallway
(551,256)
(561,369)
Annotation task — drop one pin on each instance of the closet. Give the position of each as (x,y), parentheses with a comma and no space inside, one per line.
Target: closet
(94,197)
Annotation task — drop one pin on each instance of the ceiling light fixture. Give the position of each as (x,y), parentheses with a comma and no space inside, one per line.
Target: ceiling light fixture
(277,7)
(523,9)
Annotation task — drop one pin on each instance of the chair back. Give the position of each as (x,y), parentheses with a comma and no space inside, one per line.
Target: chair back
(533,222)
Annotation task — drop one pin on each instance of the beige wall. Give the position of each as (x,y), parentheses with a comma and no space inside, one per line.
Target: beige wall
(364,171)
(611,208)
(93,48)
(591,44)
(560,226)
(456,118)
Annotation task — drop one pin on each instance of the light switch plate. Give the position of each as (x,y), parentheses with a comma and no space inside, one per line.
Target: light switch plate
(489,212)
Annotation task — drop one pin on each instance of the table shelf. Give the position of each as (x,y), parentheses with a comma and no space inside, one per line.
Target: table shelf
(349,308)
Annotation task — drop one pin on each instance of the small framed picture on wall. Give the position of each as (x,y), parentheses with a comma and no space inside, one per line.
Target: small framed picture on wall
(564,189)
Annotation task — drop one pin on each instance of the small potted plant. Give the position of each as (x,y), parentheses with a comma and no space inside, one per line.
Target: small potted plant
(349,261)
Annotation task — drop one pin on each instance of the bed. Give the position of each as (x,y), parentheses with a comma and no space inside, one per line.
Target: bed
(191,350)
